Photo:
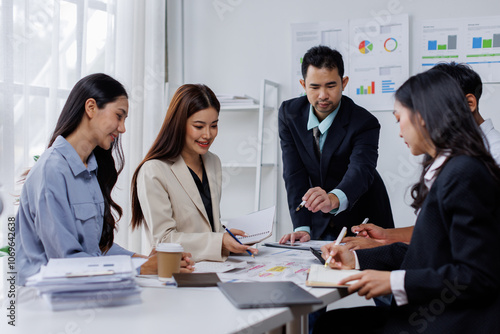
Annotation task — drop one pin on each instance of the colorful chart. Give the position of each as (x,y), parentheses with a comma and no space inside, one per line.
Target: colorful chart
(365,47)
(484,43)
(390,44)
(366,90)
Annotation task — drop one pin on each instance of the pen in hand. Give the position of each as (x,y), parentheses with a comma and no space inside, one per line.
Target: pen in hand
(364,222)
(337,242)
(301,205)
(234,237)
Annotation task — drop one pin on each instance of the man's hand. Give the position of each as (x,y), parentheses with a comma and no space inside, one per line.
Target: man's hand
(382,235)
(354,243)
(371,231)
(319,200)
(301,236)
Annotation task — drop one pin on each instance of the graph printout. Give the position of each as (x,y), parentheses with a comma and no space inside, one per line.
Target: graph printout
(475,41)
(307,35)
(378,61)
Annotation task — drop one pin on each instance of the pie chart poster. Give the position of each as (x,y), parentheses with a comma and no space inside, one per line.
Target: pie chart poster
(378,61)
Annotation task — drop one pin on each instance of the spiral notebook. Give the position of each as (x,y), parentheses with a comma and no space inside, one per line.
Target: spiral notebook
(257,225)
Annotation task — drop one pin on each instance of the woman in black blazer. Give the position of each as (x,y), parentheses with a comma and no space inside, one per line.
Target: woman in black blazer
(447,280)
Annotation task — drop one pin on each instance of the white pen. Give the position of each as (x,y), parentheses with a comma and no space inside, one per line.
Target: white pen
(337,242)
(364,222)
(301,205)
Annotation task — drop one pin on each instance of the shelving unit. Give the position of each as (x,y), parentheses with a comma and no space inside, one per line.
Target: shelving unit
(247,145)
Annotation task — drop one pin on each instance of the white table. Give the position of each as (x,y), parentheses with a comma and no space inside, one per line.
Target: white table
(174,310)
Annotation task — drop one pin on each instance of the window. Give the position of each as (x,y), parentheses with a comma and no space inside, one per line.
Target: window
(46,47)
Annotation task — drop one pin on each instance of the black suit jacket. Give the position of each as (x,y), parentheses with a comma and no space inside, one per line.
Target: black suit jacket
(453,261)
(347,163)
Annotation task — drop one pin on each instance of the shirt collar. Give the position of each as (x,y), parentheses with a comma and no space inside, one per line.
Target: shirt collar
(313,121)
(72,157)
(486,126)
(430,175)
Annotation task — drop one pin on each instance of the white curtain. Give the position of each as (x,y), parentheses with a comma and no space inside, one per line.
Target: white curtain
(45,48)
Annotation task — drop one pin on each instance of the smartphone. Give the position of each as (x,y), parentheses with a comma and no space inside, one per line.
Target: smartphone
(317,254)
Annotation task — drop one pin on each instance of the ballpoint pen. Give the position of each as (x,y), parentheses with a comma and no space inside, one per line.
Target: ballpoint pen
(234,237)
(364,222)
(301,205)
(337,242)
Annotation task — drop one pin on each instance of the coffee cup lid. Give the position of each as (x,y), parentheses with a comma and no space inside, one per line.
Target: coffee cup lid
(169,247)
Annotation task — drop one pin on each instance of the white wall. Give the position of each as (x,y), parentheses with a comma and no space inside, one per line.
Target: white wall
(232,51)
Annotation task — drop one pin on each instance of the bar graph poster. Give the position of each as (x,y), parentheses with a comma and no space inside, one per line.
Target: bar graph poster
(307,35)
(475,41)
(483,47)
(378,61)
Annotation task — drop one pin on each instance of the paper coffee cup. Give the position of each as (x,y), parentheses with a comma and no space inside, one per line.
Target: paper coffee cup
(169,260)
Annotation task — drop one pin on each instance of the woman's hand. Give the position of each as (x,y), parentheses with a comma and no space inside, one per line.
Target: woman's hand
(371,283)
(342,257)
(186,263)
(150,267)
(228,243)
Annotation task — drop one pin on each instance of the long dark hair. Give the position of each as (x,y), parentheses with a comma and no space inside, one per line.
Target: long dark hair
(187,100)
(438,99)
(103,89)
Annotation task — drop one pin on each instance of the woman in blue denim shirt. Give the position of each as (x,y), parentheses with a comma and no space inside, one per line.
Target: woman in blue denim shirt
(66,206)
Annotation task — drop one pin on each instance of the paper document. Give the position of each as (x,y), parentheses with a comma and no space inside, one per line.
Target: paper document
(75,283)
(88,266)
(258,225)
(316,244)
(217,267)
(328,277)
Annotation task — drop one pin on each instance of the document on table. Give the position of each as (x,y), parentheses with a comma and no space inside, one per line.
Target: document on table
(217,267)
(319,276)
(316,244)
(257,225)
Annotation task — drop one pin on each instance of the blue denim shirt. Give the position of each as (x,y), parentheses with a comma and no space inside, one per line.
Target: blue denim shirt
(60,211)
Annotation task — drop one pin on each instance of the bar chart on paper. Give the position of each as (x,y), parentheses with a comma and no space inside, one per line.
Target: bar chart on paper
(475,41)
(451,44)
(440,43)
(368,89)
(483,48)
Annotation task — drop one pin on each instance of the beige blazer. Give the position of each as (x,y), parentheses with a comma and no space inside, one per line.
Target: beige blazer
(173,209)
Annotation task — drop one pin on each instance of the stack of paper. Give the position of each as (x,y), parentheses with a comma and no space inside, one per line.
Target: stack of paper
(87,282)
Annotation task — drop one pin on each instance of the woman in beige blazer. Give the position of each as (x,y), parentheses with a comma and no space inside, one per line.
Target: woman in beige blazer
(176,189)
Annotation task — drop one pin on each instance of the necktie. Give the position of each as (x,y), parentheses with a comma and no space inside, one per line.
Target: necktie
(316,134)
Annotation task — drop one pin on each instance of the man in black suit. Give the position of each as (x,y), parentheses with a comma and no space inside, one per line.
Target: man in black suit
(330,151)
